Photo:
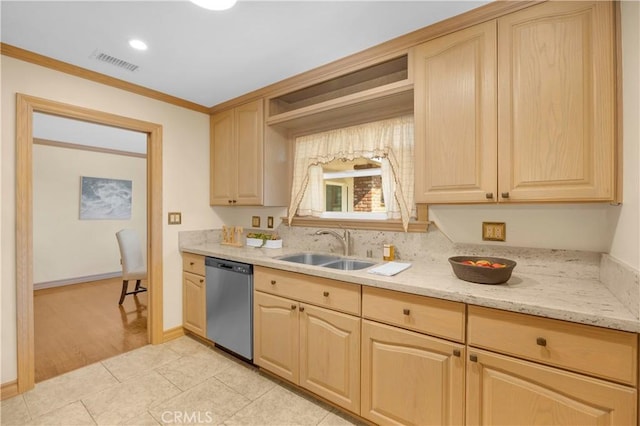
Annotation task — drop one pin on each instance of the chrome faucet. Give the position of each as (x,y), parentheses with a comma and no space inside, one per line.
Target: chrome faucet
(344,239)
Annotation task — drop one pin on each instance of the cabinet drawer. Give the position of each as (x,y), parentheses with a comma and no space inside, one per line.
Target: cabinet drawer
(437,317)
(609,354)
(318,291)
(193,263)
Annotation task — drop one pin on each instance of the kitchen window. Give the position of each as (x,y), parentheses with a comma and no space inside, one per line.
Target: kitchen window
(361,172)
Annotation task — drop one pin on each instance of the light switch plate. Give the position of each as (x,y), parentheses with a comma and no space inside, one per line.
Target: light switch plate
(494,231)
(255,221)
(175,218)
(269,221)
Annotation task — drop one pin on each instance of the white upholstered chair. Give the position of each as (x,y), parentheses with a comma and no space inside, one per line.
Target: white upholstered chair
(133,266)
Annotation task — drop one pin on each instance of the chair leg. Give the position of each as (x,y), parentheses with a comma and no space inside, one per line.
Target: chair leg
(137,285)
(125,284)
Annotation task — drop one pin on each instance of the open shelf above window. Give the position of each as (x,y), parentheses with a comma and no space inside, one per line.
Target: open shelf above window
(370,93)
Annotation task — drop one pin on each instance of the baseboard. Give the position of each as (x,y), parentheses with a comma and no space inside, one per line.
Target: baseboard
(8,390)
(69,281)
(172,333)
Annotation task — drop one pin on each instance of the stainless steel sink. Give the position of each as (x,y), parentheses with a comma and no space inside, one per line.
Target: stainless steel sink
(327,260)
(310,258)
(349,264)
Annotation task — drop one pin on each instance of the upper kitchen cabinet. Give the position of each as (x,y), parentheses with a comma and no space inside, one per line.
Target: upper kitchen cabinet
(455,116)
(248,160)
(541,128)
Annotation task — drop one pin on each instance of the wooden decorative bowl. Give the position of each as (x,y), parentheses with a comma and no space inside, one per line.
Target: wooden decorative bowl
(481,274)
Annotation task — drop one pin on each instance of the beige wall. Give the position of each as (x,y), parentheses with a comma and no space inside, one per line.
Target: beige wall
(65,247)
(185,176)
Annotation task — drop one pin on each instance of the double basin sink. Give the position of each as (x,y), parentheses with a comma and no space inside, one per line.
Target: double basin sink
(327,261)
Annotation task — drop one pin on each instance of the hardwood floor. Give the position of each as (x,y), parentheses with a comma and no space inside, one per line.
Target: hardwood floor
(77,325)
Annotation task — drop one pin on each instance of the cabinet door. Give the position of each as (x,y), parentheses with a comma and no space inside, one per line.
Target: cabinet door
(508,391)
(455,117)
(222,185)
(249,131)
(409,378)
(194,315)
(276,335)
(330,355)
(556,97)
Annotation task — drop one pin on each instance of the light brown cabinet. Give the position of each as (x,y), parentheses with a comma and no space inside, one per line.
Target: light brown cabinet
(248,160)
(525,380)
(194,298)
(311,346)
(409,376)
(552,95)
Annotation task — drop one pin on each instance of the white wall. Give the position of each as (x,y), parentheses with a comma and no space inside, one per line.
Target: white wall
(626,237)
(65,247)
(185,177)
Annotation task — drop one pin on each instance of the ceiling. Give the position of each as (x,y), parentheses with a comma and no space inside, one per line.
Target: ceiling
(210,57)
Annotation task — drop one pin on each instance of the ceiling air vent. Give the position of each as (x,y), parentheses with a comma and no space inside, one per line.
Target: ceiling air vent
(120,63)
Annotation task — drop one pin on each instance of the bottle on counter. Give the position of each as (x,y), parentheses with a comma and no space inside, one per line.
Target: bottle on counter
(388,252)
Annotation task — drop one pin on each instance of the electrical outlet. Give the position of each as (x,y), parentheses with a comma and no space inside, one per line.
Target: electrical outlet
(255,221)
(494,231)
(175,218)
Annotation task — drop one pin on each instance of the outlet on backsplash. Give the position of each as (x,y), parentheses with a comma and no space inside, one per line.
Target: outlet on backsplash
(494,231)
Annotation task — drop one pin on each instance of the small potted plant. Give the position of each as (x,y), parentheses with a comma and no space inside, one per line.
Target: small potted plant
(259,239)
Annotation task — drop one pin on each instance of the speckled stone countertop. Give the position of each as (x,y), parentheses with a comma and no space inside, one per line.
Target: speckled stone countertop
(579,300)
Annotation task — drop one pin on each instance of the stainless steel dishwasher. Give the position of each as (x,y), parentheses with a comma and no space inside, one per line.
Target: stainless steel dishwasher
(230,305)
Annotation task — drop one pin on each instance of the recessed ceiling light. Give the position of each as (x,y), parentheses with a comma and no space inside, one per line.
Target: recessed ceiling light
(215,4)
(138,44)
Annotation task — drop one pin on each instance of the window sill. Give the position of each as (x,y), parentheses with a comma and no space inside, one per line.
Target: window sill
(370,225)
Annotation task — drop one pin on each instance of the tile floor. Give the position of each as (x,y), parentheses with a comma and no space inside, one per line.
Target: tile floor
(179,382)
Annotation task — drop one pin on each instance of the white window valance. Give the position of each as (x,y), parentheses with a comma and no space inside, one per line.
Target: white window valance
(391,140)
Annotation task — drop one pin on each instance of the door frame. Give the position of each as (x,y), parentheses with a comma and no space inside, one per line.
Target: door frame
(25,107)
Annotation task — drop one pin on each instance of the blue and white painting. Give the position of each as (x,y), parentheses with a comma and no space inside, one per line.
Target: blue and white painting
(102,198)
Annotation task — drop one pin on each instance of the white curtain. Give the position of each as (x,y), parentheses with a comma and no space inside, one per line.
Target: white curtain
(391,140)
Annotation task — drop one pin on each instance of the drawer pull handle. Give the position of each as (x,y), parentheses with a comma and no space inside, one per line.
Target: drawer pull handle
(456,352)
(301,308)
(489,195)
(273,282)
(406,311)
(325,294)
(293,307)
(541,341)
(473,358)
(505,195)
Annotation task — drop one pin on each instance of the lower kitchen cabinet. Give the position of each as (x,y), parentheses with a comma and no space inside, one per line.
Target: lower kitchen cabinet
(194,302)
(316,348)
(502,390)
(409,378)
(194,298)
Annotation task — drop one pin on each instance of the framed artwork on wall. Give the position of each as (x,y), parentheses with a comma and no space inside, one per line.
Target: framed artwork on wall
(105,198)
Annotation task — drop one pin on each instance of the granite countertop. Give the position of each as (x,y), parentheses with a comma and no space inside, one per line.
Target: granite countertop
(565,298)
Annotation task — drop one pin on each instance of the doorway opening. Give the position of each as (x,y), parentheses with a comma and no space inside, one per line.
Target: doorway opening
(26,107)
(89,182)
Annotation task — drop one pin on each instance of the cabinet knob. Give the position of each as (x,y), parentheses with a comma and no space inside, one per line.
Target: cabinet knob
(473,358)
(191,263)
(456,352)
(234,201)
(505,195)
(406,311)
(229,201)
(541,341)
(201,280)
(489,195)
(301,308)
(325,294)
(273,282)
(293,307)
